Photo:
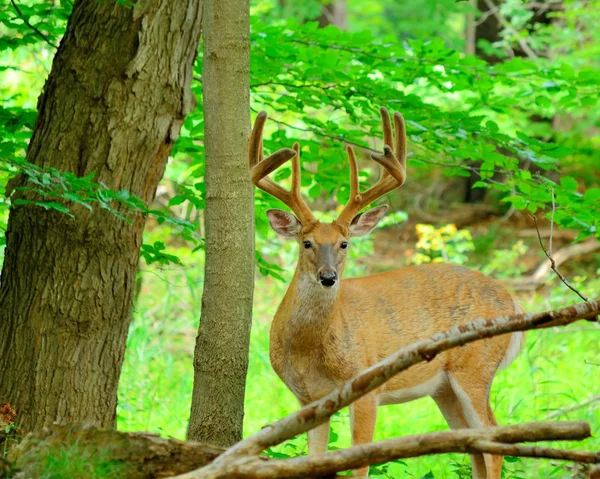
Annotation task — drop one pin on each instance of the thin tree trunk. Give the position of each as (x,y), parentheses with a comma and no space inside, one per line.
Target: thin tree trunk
(221,355)
(113,104)
(334,13)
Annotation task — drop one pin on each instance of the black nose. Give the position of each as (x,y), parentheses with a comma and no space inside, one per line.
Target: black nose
(328,278)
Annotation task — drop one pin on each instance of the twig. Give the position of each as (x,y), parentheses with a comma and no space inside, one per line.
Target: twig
(521,41)
(552,222)
(587,402)
(553,265)
(26,22)
(319,411)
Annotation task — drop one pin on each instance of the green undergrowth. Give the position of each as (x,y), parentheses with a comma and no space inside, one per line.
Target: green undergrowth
(70,461)
(557,369)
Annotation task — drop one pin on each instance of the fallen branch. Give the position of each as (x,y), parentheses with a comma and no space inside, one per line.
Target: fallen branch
(575,407)
(536,279)
(497,440)
(319,411)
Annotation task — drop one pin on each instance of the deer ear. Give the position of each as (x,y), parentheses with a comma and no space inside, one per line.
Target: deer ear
(284,223)
(364,223)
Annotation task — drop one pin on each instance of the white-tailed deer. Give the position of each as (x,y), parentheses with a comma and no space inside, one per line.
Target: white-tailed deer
(327,330)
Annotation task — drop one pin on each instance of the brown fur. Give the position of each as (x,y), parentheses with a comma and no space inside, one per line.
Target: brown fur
(321,337)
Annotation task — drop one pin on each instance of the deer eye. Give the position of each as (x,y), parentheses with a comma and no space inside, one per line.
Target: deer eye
(307,244)
(344,245)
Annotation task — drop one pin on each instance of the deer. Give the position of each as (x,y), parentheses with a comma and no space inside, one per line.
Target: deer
(327,329)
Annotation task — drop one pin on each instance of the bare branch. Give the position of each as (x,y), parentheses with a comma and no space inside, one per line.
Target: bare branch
(465,440)
(496,440)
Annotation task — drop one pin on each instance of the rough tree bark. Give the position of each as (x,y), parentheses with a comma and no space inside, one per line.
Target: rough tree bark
(221,355)
(113,104)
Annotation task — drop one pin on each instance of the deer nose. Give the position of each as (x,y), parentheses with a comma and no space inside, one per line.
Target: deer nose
(327,278)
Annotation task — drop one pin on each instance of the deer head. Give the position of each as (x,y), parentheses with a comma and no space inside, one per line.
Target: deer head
(323,246)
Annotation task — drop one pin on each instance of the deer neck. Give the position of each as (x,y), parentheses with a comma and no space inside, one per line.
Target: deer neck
(313,306)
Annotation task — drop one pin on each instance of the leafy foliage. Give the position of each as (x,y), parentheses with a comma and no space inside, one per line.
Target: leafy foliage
(324,86)
(50,460)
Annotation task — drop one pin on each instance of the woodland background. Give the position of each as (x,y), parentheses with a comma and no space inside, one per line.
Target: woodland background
(501,103)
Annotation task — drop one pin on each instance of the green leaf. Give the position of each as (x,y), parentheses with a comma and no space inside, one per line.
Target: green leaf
(593,194)
(518,202)
(177,200)
(568,183)
(543,101)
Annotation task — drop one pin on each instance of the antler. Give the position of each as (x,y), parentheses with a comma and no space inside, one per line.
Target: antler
(394,172)
(261,167)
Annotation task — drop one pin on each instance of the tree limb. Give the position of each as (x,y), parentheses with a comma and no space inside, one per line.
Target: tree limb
(465,440)
(521,41)
(32,27)
(496,440)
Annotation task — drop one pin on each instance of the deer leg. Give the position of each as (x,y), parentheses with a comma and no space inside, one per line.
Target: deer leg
(318,438)
(474,399)
(451,409)
(363,416)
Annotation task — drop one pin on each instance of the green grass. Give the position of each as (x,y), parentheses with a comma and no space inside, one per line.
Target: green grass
(557,368)
(70,461)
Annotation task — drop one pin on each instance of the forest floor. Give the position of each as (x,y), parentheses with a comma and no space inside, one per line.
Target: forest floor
(553,376)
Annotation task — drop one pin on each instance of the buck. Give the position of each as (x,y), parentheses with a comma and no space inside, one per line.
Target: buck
(326,330)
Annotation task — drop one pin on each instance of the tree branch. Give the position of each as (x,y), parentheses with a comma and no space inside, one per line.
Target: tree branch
(465,440)
(548,254)
(32,27)
(521,41)
(496,440)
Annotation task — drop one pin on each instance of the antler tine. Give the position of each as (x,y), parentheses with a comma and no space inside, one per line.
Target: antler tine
(388,139)
(255,141)
(400,140)
(394,172)
(387,126)
(261,167)
(354,188)
(300,206)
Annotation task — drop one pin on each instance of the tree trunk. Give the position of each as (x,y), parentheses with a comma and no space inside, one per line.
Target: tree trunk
(334,13)
(221,355)
(113,104)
